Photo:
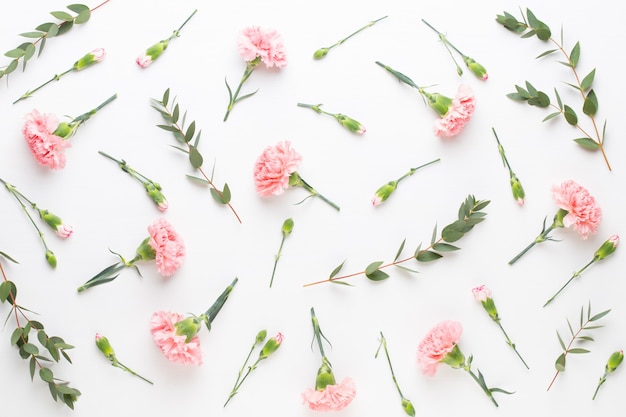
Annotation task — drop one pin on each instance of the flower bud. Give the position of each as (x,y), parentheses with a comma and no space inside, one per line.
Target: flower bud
(320,53)
(614,361)
(408,407)
(325,376)
(607,248)
(188,327)
(154,191)
(439,103)
(476,68)
(260,337)
(350,124)
(481,293)
(152,53)
(271,346)
(383,193)
(517,189)
(287,227)
(93,57)
(104,346)
(52,260)
(55,222)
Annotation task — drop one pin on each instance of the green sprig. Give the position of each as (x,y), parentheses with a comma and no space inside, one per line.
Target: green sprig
(407,406)
(45,31)
(55,346)
(187,136)
(530,26)
(346,121)
(469,215)
(577,337)
(516,185)
(322,52)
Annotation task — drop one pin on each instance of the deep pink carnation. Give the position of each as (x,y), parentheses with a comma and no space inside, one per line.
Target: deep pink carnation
(168,245)
(273,168)
(583,213)
(268,44)
(439,341)
(172,345)
(48,149)
(332,398)
(458,114)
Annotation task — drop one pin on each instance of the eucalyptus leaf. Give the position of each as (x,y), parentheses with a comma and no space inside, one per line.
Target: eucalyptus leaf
(46,374)
(590,106)
(336,270)
(574,56)
(377,275)
(83,17)
(15,53)
(30,349)
(585,84)
(551,116)
(445,247)
(195,157)
(65,27)
(373,267)
(560,363)
(577,350)
(433,238)
(570,115)
(546,53)
(600,315)
(427,256)
(190,131)
(33,35)
(78,8)
(399,250)
(66,17)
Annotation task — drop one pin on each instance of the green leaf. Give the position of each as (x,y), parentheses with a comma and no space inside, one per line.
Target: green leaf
(531,89)
(83,17)
(453,232)
(444,247)
(175,114)
(373,267)
(600,315)
(168,128)
(217,196)
(578,350)
(52,31)
(78,8)
(166,97)
(433,238)
(517,97)
(340,282)
(546,53)
(30,349)
(551,116)
(407,269)
(399,251)
(427,256)
(6,256)
(65,27)
(378,275)
(561,341)
(560,363)
(45,27)
(587,338)
(33,35)
(587,143)
(16,336)
(541,100)
(588,80)
(570,115)
(558,99)
(30,51)
(31,366)
(226,193)
(533,22)
(11,67)
(574,56)
(53,390)
(42,337)
(66,17)
(590,107)
(336,270)
(191,130)
(46,374)
(15,53)
(195,158)
(8,291)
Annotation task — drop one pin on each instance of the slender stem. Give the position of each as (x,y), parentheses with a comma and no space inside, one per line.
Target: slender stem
(501,150)
(602,381)
(317,332)
(250,66)
(574,337)
(483,386)
(237,386)
(211,313)
(31,92)
(100,5)
(372,23)
(445,40)
(120,365)
(510,343)
(412,170)
(314,193)
(574,275)
(541,238)
(276,259)
(185,22)
(383,343)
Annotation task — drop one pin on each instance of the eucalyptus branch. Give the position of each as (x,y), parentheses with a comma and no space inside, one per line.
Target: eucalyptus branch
(469,215)
(185,137)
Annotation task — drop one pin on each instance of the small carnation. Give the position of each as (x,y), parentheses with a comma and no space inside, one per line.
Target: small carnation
(333,398)
(268,44)
(583,213)
(459,113)
(47,148)
(273,168)
(174,346)
(439,341)
(168,245)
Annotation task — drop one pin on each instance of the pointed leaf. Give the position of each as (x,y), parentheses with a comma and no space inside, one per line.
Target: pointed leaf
(428,256)
(66,17)
(560,363)
(195,157)
(590,107)
(190,132)
(558,99)
(377,275)
(407,269)
(336,270)
(340,282)
(444,247)
(570,115)
(399,251)
(46,374)
(83,17)
(561,341)
(434,236)
(372,267)
(175,113)
(588,80)
(546,53)
(574,56)
(578,350)
(166,97)
(551,116)
(78,8)
(600,315)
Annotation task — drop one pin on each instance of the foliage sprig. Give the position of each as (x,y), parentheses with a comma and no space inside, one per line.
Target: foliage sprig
(170,111)
(45,31)
(577,337)
(38,360)
(469,215)
(530,26)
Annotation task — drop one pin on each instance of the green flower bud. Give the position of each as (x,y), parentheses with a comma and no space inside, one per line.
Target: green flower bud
(260,337)
(188,327)
(408,407)
(607,248)
(350,124)
(320,53)
(287,227)
(104,346)
(145,251)
(614,361)
(63,130)
(517,189)
(454,358)
(325,376)
(271,346)
(154,191)
(440,103)
(476,68)
(52,260)
(93,57)
(383,193)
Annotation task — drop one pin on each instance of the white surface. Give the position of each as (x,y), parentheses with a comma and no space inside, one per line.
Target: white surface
(108,209)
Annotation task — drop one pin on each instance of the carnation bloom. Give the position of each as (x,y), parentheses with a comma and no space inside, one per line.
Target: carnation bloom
(481,293)
(332,398)
(168,245)
(439,341)
(583,213)
(175,347)
(459,113)
(47,148)
(273,168)
(265,43)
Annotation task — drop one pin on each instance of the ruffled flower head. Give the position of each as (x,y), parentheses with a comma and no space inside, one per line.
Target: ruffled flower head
(583,213)
(274,167)
(332,398)
(47,148)
(458,114)
(254,42)
(168,245)
(439,342)
(174,346)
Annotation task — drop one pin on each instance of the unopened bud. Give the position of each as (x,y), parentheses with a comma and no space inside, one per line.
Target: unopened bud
(271,346)
(408,407)
(607,248)
(614,361)
(52,260)
(287,227)
(93,57)
(104,346)
(320,53)
(383,193)
(439,103)
(477,69)
(517,189)
(350,124)
(152,53)
(260,336)
(154,191)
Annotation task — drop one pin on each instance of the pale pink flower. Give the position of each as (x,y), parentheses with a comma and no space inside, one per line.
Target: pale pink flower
(481,293)
(439,341)
(174,346)
(64,230)
(273,168)
(255,41)
(583,213)
(144,61)
(332,398)
(163,205)
(168,245)
(48,149)
(458,114)
(98,54)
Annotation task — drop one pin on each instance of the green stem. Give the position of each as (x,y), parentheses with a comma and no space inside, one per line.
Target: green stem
(86,116)
(372,23)
(250,66)
(412,170)
(541,238)
(602,381)
(280,249)
(574,275)
(501,151)
(314,193)
(317,332)
(211,313)
(126,168)
(510,343)
(237,386)
(383,343)
(445,40)
(482,385)
(177,32)
(120,365)
(31,92)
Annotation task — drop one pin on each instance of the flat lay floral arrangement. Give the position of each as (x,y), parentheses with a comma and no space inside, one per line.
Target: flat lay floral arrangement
(271,258)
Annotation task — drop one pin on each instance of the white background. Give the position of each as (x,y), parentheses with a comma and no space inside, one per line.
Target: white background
(110,211)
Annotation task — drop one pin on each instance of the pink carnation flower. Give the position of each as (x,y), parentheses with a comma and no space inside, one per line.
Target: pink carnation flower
(268,44)
(273,168)
(458,114)
(332,398)
(168,245)
(64,230)
(48,149)
(144,61)
(481,293)
(583,213)
(439,341)
(171,344)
